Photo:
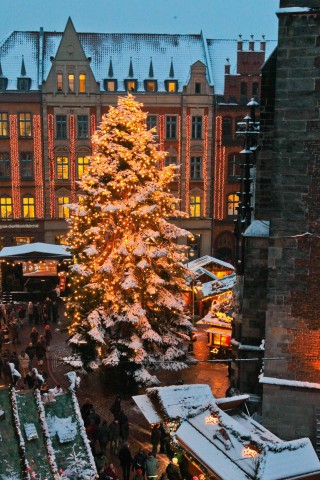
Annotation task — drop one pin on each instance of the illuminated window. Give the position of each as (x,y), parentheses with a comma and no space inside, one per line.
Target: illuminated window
(171,127)
(82,83)
(28,207)
(62,168)
(61,124)
(172,160)
(4,165)
(196,128)
(233,202)
(226,127)
(171,86)
(61,240)
(82,166)
(110,85)
(25,129)
(6,207)
(23,240)
(130,85)
(83,126)
(4,125)
(63,211)
(234,171)
(152,121)
(195,168)
(150,86)
(26,165)
(71,82)
(59,82)
(195,206)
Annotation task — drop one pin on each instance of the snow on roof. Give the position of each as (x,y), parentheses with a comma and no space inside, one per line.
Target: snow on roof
(147,409)
(206,260)
(220,286)
(181,401)
(38,247)
(258,228)
(289,383)
(296,10)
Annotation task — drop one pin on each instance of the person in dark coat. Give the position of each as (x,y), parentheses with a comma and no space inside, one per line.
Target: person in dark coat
(114,436)
(30,351)
(173,470)
(125,458)
(47,335)
(155,439)
(85,410)
(40,351)
(104,436)
(34,335)
(164,439)
(94,416)
(138,460)
(124,426)
(36,315)
(92,434)
(115,408)
(111,472)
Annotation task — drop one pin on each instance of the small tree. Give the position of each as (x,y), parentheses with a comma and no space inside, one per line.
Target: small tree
(126,306)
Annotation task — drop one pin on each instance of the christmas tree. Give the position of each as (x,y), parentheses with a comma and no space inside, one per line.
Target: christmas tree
(126,308)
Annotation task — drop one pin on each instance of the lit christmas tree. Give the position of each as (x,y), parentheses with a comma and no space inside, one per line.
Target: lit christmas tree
(126,307)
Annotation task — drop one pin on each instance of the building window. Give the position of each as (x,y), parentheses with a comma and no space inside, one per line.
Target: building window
(23,240)
(171,86)
(196,129)
(150,86)
(234,171)
(3,84)
(63,211)
(110,85)
(4,125)
(24,84)
(226,128)
(25,129)
(4,165)
(83,126)
(195,168)
(171,160)
(255,89)
(28,207)
(59,82)
(233,202)
(152,121)
(61,124)
(71,82)
(62,168)
(61,240)
(195,206)
(243,92)
(82,166)
(130,85)
(26,165)
(197,88)
(82,83)
(171,127)
(6,207)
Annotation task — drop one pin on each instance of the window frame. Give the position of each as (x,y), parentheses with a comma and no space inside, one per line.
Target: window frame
(82,82)
(61,127)
(4,125)
(167,161)
(147,85)
(196,167)
(152,123)
(197,88)
(171,86)
(171,127)
(196,127)
(80,124)
(23,84)
(25,132)
(233,200)
(108,81)
(24,164)
(71,83)
(196,205)
(227,128)
(132,81)
(31,205)
(82,166)
(62,167)
(7,165)
(7,206)
(59,82)
(63,212)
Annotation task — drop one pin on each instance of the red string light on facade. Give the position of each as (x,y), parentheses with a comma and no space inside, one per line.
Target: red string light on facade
(92,130)
(187,186)
(51,165)
(15,167)
(72,137)
(218,187)
(161,137)
(205,165)
(38,168)
(179,157)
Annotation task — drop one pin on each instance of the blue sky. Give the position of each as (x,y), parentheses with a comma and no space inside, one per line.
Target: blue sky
(217,18)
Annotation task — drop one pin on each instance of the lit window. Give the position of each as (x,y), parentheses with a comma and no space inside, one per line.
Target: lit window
(152,121)
(195,168)
(4,165)
(26,165)
(25,129)
(61,240)
(4,125)
(170,161)
(59,82)
(150,86)
(63,211)
(28,207)
(82,166)
(61,124)
(171,86)
(196,128)
(71,82)
(131,85)
(171,127)
(62,168)
(23,240)
(82,83)
(110,85)
(233,202)
(83,126)
(5,207)
(195,206)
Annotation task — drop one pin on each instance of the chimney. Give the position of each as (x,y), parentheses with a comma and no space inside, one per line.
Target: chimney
(251,44)
(263,44)
(240,43)
(227,67)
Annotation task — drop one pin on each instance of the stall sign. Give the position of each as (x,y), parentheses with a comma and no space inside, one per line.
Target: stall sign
(45,268)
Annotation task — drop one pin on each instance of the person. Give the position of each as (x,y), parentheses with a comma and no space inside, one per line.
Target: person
(29,380)
(173,470)
(30,352)
(85,410)
(114,436)
(34,335)
(24,363)
(164,439)
(47,335)
(125,459)
(111,472)
(115,408)
(15,375)
(30,312)
(55,311)
(138,475)
(151,465)
(124,426)
(92,432)
(40,350)
(104,436)
(138,461)
(155,439)
(38,378)
(57,390)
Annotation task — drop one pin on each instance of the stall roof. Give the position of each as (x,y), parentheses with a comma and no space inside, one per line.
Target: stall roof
(35,251)
(220,331)
(207,260)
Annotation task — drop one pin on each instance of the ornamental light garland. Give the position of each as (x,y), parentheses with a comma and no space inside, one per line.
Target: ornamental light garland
(38,169)
(15,166)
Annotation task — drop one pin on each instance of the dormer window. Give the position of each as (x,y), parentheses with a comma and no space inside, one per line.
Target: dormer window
(131,85)
(24,84)
(151,86)
(59,82)
(82,83)
(197,88)
(171,86)
(3,84)
(110,85)
(71,82)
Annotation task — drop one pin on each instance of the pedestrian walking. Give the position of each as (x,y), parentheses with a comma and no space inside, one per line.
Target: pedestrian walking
(124,426)
(85,410)
(139,460)
(15,375)
(125,458)
(111,473)
(24,364)
(29,380)
(30,351)
(114,436)
(173,470)
(155,439)
(151,465)
(104,436)
(115,408)
(92,434)
(47,335)
(164,439)
(34,335)
(30,312)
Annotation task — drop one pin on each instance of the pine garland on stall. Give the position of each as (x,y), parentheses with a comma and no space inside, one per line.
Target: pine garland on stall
(126,308)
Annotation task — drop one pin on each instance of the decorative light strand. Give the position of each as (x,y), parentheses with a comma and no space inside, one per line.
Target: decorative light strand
(223,180)
(72,136)
(15,167)
(51,165)
(187,186)
(38,168)
(161,138)
(205,165)
(92,130)
(217,169)
(179,156)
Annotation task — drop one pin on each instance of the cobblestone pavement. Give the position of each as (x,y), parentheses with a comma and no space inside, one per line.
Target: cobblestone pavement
(214,374)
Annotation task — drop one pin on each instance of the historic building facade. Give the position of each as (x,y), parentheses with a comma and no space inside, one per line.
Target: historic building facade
(54,89)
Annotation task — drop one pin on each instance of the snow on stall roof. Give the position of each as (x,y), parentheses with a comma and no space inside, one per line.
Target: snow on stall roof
(220,286)
(258,228)
(296,10)
(289,383)
(34,247)
(145,405)
(182,401)
(206,260)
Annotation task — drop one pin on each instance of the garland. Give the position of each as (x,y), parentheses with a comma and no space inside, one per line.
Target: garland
(26,469)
